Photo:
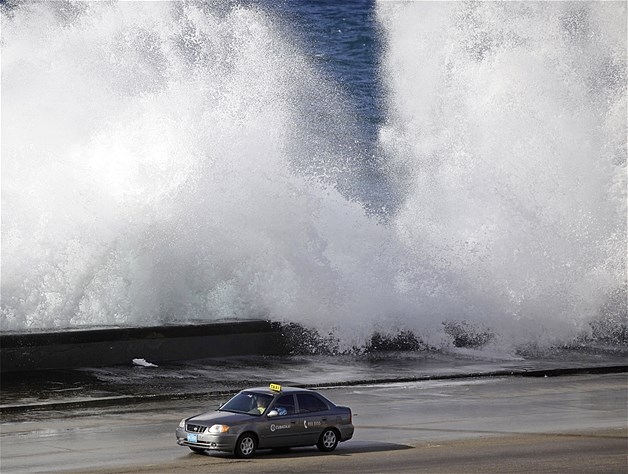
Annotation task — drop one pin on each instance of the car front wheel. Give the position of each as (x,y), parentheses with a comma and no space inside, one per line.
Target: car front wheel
(328,440)
(246,445)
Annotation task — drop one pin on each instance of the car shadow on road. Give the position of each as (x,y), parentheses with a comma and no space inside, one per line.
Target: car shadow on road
(350,448)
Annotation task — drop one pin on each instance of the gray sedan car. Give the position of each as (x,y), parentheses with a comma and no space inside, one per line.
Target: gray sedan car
(268,417)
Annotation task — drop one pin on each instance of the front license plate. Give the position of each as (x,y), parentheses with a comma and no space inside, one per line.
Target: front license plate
(192,438)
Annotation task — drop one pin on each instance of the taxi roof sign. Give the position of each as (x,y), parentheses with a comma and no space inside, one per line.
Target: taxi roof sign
(275,387)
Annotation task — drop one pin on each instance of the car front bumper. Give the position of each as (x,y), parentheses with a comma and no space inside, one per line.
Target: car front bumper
(216,442)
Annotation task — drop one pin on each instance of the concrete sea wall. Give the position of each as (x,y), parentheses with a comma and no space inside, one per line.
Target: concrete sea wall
(111,346)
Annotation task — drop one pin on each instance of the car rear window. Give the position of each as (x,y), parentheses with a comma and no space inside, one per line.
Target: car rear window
(309,403)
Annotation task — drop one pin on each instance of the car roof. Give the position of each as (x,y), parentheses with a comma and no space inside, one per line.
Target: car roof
(273,392)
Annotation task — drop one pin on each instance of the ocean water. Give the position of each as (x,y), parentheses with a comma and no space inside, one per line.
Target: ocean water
(451,170)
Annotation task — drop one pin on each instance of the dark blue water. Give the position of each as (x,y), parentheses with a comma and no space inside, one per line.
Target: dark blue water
(344,43)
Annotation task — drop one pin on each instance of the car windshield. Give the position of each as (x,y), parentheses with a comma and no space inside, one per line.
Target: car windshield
(252,403)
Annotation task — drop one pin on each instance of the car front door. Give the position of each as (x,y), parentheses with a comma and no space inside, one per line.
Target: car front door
(283,428)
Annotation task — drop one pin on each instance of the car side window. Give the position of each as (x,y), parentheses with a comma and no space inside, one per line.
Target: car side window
(309,403)
(285,405)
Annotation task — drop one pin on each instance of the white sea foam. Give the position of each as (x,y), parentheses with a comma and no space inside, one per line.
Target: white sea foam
(143,363)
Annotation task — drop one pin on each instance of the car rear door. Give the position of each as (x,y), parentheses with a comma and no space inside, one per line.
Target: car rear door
(313,416)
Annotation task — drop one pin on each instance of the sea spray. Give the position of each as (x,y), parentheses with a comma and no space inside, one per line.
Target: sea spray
(162,162)
(506,130)
(173,162)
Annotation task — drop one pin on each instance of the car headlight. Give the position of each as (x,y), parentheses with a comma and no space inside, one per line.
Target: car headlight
(219,429)
(182,424)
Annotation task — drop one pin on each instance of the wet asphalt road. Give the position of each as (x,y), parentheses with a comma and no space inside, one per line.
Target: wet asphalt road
(495,424)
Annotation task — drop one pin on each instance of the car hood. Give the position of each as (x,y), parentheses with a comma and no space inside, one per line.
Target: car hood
(220,417)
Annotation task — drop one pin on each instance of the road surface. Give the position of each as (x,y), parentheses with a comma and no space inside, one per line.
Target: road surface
(493,424)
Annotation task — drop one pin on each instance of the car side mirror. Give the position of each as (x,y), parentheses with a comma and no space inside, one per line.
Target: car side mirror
(272,413)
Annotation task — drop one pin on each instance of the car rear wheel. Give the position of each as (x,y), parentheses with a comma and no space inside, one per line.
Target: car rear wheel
(197,450)
(328,440)
(246,445)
